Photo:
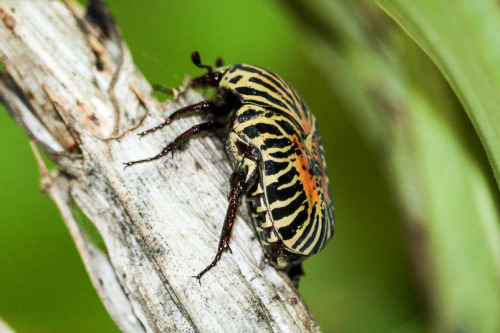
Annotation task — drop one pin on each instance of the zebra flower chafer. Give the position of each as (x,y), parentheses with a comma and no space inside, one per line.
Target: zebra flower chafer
(278,161)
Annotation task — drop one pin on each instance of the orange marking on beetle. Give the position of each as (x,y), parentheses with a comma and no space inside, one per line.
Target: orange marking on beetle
(308,180)
(305,123)
(324,179)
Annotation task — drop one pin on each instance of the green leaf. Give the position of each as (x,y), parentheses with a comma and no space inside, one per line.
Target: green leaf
(459,208)
(461,37)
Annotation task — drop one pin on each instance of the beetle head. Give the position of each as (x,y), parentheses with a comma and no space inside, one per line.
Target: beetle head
(211,78)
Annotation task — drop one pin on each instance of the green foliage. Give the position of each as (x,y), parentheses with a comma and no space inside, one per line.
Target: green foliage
(88,228)
(43,284)
(461,202)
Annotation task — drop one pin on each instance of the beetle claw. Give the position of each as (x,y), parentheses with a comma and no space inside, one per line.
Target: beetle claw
(197,277)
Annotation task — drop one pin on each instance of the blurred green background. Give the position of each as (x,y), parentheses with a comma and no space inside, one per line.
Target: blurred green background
(416,247)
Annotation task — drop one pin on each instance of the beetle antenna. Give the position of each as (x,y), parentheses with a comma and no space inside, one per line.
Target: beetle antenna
(195,58)
(219,62)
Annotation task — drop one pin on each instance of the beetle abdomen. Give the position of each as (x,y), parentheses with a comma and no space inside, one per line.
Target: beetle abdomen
(272,245)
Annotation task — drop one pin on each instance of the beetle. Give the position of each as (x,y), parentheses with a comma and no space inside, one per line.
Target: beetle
(278,161)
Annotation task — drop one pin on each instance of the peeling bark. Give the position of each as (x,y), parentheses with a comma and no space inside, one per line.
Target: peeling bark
(71,84)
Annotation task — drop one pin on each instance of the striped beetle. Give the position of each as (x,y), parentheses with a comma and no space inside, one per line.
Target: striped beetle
(277,157)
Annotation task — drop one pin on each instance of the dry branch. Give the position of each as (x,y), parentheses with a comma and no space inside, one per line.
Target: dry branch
(70,83)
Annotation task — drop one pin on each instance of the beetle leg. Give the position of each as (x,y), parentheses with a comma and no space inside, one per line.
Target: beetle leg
(295,273)
(180,140)
(203,105)
(234,200)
